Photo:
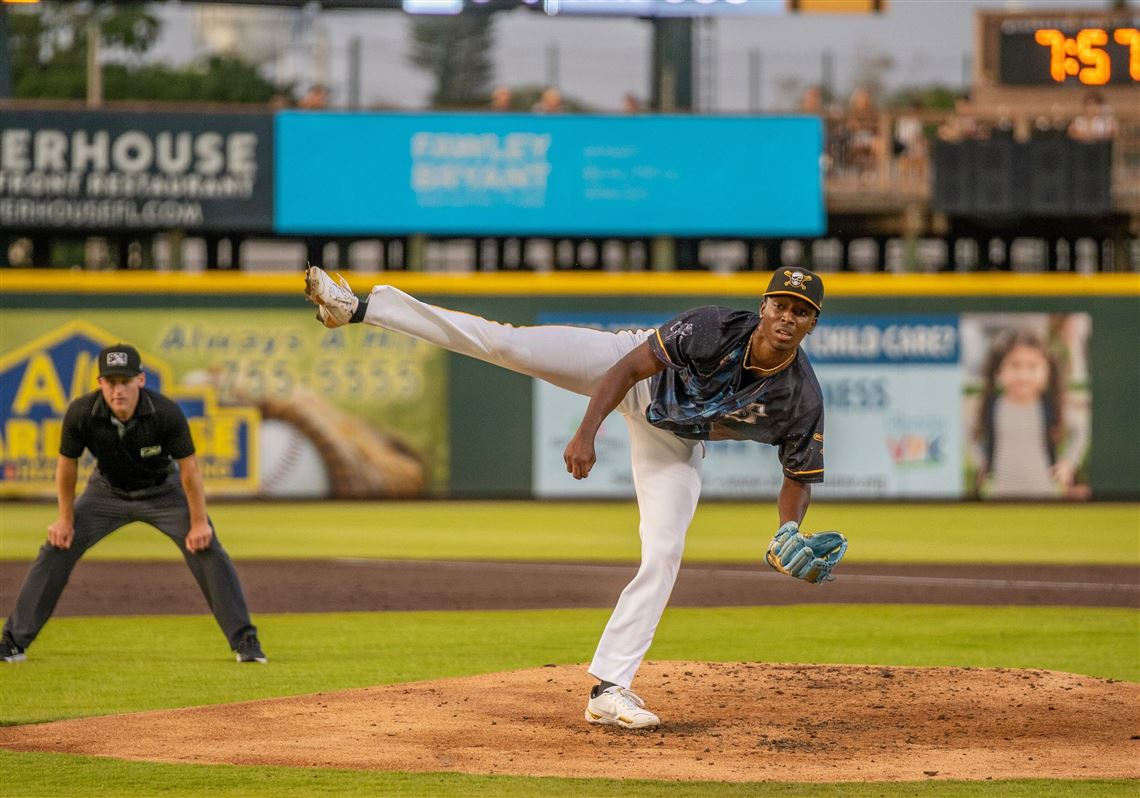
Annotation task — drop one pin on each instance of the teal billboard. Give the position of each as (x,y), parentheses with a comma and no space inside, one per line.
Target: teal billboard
(531,174)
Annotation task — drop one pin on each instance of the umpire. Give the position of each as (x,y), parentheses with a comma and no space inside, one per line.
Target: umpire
(137,436)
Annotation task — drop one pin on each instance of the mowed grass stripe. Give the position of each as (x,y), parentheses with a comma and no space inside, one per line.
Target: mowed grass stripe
(721,532)
(53,775)
(128,664)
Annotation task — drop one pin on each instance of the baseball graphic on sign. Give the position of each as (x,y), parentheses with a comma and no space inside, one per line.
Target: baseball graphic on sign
(290,465)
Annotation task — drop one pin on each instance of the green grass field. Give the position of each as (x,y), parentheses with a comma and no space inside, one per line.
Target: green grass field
(89,777)
(721,532)
(92,666)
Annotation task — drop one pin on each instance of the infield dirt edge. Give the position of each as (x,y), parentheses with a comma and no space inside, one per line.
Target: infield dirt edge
(721,722)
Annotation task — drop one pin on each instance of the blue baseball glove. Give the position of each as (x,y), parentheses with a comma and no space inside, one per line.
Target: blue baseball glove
(806,557)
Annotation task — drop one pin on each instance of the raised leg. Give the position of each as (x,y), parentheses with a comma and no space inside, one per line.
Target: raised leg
(574,358)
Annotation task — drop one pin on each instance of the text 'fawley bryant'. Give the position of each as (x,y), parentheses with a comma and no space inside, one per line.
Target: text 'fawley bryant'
(481,146)
(50,150)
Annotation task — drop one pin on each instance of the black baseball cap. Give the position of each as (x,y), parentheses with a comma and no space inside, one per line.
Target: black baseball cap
(805,284)
(119,360)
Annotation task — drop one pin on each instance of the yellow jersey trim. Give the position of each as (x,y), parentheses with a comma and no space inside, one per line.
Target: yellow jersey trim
(661,343)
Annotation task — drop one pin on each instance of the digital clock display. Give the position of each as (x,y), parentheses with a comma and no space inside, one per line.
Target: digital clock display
(1053,52)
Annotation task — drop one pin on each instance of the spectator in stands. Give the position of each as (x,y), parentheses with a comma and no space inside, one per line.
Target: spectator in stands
(963,125)
(910,144)
(1004,128)
(501,98)
(280,101)
(862,134)
(1097,123)
(1055,125)
(550,102)
(835,133)
(630,104)
(316,98)
(811,102)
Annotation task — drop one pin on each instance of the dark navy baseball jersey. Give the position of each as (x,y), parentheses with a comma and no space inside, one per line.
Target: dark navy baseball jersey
(705,389)
(134,456)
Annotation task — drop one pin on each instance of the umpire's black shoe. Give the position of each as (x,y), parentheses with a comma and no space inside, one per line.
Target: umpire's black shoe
(249,649)
(10,652)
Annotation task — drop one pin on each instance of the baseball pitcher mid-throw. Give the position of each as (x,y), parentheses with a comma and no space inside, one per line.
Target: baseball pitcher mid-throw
(711,373)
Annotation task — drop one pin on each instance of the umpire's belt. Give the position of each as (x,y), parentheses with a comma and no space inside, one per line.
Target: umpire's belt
(141,493)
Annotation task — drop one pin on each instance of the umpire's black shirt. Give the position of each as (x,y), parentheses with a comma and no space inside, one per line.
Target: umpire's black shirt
(132,456)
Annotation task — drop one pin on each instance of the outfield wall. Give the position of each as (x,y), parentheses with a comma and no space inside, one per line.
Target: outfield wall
(901,360)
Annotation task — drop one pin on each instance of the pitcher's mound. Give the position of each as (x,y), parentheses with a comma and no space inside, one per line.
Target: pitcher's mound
(721,722)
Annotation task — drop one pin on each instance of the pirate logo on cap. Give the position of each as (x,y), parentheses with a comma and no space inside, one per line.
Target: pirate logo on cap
(797,279)
(800,283)
(116,359)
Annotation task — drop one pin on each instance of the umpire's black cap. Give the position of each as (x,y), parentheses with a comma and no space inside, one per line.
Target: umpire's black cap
(119,360)
(805,284)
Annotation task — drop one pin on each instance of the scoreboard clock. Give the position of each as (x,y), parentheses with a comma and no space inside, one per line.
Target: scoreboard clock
(1068,51)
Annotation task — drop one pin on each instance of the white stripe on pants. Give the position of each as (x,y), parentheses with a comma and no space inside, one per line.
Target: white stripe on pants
(666,469)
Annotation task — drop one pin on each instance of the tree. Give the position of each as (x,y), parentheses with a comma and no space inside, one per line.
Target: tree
(457,52)
(48,44)
(48,51)
(222,79)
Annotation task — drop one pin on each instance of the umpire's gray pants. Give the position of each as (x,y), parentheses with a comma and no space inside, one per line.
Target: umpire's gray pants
(99,511)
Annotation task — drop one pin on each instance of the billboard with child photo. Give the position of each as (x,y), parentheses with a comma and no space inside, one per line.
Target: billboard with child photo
(1026,405)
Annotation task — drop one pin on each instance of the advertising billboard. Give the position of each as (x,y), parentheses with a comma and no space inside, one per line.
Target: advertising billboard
(121,170)
(278,407)
(1027,405)
(533,174)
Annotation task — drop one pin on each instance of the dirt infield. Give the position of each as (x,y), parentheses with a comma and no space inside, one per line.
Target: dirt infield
(116,588)
(722,722)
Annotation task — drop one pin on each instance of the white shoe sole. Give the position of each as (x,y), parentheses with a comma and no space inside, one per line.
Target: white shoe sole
(313,294)
(16,658)
(602,720)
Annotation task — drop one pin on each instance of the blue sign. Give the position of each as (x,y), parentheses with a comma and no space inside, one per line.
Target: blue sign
(524,174)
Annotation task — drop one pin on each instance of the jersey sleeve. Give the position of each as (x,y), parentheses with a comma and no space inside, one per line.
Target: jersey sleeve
(179,442)
(71,435)
(689,341)
(801,449)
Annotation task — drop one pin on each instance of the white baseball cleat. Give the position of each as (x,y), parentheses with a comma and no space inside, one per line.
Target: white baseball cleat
(620,706)
(335,302)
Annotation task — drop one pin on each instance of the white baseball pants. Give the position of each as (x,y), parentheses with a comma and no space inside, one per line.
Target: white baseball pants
(666,469)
